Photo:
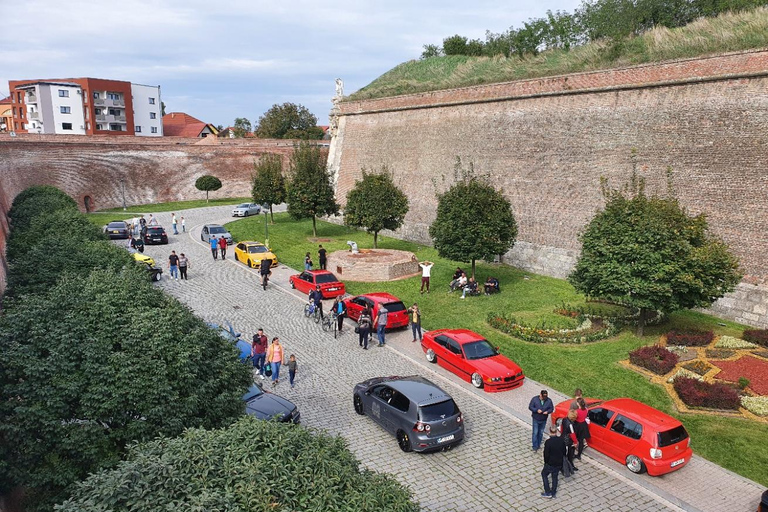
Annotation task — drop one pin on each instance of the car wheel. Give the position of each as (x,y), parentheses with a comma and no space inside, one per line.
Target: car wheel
(635,464)
(156,276)
(250,263)
(431,356)
(236,257)
(359,405)
(477,380)
(404,441)
(293,285)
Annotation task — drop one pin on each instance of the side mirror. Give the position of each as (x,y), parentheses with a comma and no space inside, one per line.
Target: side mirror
(237,335)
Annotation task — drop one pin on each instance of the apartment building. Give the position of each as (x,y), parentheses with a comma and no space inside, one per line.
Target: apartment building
(85,106)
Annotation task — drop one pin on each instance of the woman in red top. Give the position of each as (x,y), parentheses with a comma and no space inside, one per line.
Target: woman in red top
(582,425)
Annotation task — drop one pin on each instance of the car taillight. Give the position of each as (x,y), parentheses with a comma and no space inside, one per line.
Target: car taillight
(459,419)
(655,453)
(422,427)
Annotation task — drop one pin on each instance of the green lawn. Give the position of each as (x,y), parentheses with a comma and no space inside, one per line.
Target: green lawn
(102,219)
(179,205)
(735,444)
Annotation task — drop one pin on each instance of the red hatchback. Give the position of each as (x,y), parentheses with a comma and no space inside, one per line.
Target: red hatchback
(635,434)
(330,286)
(471,357)
(397,313)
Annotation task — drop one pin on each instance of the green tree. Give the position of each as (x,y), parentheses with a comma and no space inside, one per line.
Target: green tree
(242,127)
(474,220)
(288,121)
(375,204)
(207,183)
(648,253)
(431,50)
(252,465)
(310,192)
(268,183)
(455,45)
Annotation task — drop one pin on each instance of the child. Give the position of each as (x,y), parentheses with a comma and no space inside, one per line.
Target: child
(292,366)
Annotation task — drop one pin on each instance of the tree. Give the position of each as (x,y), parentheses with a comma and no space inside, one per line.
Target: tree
(648,253)
(455,45)
(207,183)
(310,192)
(474,220)
(268,183)
(288,121)
(162,108)
(375,204)
(242,127)
(431,50)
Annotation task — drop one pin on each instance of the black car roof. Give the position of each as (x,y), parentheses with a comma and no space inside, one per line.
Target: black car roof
(417,389)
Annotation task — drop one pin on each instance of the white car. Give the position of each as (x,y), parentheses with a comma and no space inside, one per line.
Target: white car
(246,209)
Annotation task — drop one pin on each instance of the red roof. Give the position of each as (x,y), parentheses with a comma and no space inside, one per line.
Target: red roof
(5,101)
(179,124)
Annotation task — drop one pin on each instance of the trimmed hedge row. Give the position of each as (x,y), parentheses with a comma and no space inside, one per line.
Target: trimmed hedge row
(655,358)
(697,393)
(759,336)
(691,338)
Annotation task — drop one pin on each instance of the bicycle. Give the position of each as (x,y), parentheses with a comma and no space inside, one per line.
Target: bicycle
(310,310)
(329,320)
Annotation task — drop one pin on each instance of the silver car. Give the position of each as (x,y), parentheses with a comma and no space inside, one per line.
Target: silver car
(420,415)
(246,209)
(211,230)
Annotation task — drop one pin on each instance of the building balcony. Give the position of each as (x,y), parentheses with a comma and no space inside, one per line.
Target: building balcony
(111,119)
(34,115)
(31,98)
(101,117)
(98,101)
(117,103)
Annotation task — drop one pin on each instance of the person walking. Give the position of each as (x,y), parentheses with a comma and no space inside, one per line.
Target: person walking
(214,247)
(142,226)
(183,225)
(554,452)
(426,271)
(183,265)
(364,323)
(153,221)
(541,407)
(136,226)
(341,311)
(292,368)
(259,352)
(381,323)
(275,356)
(582,426)
(414,314)
(308,262)
(568,431)
(173,264)
(223,247)
(173,223)
(322,257)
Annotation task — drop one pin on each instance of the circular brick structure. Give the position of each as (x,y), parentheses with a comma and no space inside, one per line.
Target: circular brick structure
(373,265)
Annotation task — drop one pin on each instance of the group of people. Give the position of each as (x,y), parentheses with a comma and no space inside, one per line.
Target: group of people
(566,441)
(178,265)
(268,358)
(138,225)
(322,259)
(469,286)
(218,245)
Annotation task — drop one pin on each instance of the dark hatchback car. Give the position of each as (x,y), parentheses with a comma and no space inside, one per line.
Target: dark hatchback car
(116,230)
(420,415)
(155,235)
(267,406)
(763,507)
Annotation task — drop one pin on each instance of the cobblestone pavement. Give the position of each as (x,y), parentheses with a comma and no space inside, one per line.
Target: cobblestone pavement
(494,469)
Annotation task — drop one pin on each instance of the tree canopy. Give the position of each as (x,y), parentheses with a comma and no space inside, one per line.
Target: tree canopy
(310,191)
(288,121)
(242,127)
(375,203)
(268,183)
(648,253)
(207,183)
(474,220)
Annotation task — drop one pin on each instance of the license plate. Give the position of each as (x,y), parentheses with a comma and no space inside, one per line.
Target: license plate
(446,438)
(677,463)
(332,289)
(115,232)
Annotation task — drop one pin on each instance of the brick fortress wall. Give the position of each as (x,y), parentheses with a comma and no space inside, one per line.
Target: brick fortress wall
(546,143)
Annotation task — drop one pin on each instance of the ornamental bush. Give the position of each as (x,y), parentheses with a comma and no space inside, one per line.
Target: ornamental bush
(586,332)
(696,393)
(691,338)
(759,336)
(655,358)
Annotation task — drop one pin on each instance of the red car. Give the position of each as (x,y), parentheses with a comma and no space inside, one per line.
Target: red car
(397,317)
(635,434)
(330,286)
(471,357)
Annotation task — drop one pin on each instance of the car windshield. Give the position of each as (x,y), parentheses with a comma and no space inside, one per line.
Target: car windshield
(252,393)
(116,225)
(156,231)
(244,205)
(673,436)
(479,350)
(438,411)
(326,278)
(215,230)
(253,249)
(394,307)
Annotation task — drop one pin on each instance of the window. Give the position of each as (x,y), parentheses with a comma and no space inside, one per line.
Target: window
(454,347)
(65,110)
(438,411)
(399,402)
(442,341)
(66,126)
(115,112)
(113,96)
(151,101)
(115,127)
(63,93)
(137,129)
(154,129)
(152,115)
(673,436)
(99,126)
(96,95)
(98,111)
(600,416)
(627,427)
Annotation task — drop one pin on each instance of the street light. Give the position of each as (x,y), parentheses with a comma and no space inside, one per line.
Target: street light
(122,189)
(265,209)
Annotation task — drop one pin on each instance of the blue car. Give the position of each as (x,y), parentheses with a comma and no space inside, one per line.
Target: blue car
(229,334)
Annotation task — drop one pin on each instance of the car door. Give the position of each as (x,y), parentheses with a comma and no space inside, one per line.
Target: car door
(599,418)
(240,252)
(445,357)
(622,436)
(354,308)
(380,408)
(303,283)
(461,364)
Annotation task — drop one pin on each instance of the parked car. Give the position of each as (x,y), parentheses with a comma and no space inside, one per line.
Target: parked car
(397,317)
(635,434)
(473,358)
(143,258)
(210,230)
(420,415)
(763,507)
(251,253)
(155,235)
(268,406)
(229,334)
(330,286)
(246,209)
(117,230)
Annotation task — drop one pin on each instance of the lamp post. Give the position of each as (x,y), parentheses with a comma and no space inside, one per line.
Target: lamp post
(265,209)
(122,189)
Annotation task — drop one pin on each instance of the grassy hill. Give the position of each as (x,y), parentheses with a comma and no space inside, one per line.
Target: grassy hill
(709,36)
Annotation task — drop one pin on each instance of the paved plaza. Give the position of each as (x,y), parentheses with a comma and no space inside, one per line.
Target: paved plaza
(494,469)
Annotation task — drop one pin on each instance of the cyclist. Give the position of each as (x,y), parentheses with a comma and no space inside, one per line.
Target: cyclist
(316,296)
(265,271)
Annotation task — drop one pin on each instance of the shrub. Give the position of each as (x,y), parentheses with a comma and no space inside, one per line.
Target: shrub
(759,336)
(655,358)
(695,393)
(755,404)
(743,382)
(691,338)
(586,332)
(34,201)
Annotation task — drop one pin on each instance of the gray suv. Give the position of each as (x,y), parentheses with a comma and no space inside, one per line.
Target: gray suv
(421,416)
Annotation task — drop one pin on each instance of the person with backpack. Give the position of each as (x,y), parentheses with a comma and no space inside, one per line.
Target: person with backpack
(364,324)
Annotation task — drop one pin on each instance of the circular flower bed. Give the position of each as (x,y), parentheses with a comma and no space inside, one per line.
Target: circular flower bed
(588,330)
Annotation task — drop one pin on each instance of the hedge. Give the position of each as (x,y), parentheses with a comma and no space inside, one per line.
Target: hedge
(759,336)
(691,338)
(696,393)
(655,358)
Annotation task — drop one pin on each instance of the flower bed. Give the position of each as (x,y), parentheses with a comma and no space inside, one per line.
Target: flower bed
(690,338)
(682,372)
(698,367)
(759,336)
(719,353)
(755,404)
(629,316)
(588,330)
(752,368)
(655,358)
(695,393)
(731,342)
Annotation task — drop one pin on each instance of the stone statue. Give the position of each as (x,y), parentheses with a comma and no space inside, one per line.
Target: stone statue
(353,247)
(339,88)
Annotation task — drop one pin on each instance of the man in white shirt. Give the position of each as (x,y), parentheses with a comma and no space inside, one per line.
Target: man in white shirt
(426,270)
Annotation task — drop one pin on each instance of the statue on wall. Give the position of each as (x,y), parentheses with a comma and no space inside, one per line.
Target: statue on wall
(339,88)
(353,247)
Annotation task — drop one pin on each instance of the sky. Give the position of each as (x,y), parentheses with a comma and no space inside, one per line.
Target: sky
(219,60)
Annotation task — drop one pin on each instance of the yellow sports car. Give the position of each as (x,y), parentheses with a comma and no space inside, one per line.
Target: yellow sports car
(143,258)
(251,253)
